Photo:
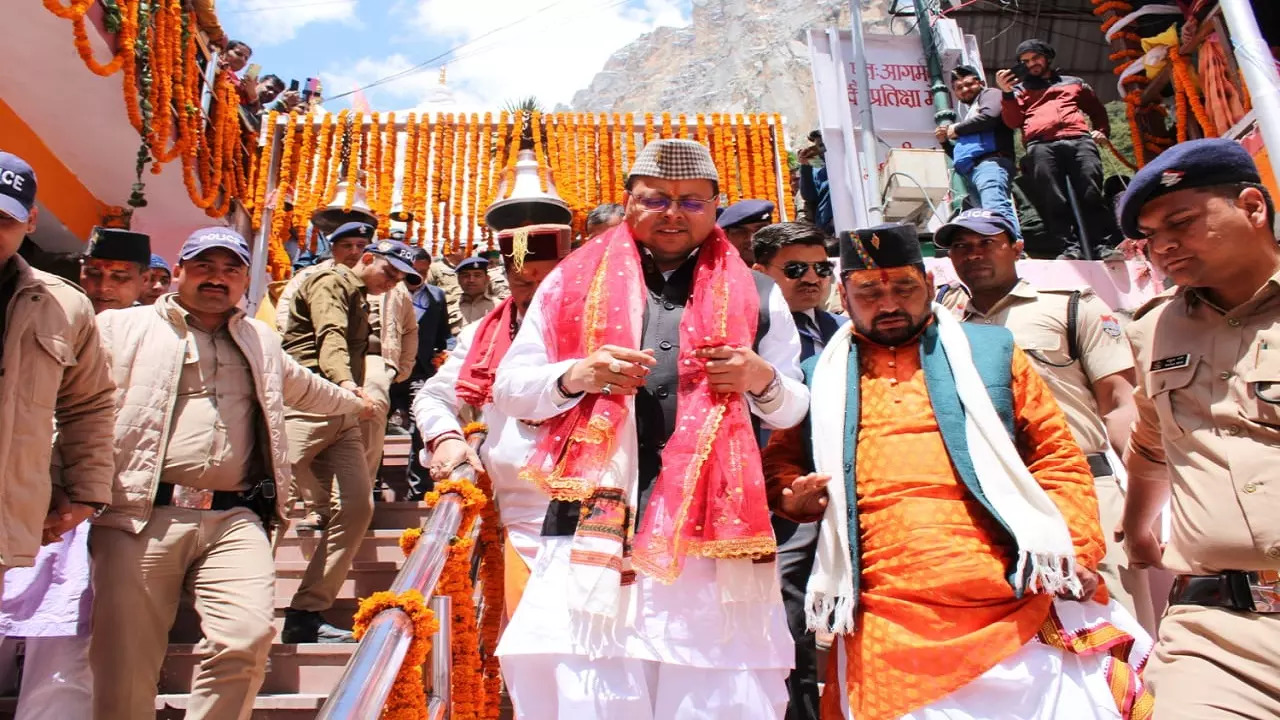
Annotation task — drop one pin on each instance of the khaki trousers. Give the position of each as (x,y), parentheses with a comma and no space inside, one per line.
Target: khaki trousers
(329,467)
(223,560)
(1129,586)
(377,385)
(1214,664)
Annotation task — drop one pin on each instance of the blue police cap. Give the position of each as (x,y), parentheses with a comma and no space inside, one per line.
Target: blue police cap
(400,256)
(352,229)
(744,212)
(472,263)
(983,222)
(1187,165)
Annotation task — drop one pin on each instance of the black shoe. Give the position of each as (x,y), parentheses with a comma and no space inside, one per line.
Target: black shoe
(1070,255)
(308,626)
(312,523)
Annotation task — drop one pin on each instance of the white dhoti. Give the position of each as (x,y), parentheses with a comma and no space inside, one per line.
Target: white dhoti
(1043,682)
(679,655)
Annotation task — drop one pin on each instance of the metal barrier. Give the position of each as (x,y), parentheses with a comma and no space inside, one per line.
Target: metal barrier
(365,684)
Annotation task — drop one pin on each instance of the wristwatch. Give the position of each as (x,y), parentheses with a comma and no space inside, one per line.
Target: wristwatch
(98,508)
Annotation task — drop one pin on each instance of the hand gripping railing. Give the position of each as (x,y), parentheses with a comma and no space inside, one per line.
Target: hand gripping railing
(366,683)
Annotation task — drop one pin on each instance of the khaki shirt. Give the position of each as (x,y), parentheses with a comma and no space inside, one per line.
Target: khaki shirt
(444,276)
(212,437)
(329,325)
(1208,402)
(475,310)
(284,303)
(1038,321)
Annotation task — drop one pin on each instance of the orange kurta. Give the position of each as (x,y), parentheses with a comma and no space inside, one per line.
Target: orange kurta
(936,610)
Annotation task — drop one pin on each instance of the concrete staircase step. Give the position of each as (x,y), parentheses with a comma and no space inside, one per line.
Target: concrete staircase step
(379,546)
(286,706)
(362,581)
(312,668)
(396,515)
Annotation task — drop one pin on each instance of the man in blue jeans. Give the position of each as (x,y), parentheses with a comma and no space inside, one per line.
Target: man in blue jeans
(981,146)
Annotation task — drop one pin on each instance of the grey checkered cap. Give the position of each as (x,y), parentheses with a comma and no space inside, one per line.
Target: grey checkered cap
(673,159)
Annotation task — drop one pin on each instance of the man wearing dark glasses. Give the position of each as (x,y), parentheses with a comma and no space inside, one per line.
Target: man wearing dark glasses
(794,256)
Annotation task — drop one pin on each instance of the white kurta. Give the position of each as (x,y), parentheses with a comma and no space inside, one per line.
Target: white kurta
(685,623)
(521,506)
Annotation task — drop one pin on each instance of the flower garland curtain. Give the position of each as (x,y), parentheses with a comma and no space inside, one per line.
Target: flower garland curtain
(453,167)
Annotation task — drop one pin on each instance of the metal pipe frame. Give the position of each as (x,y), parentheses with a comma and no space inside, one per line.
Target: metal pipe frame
(365,684)
(442,662)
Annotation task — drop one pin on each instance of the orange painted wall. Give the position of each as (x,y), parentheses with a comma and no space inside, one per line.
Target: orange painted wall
(60,191)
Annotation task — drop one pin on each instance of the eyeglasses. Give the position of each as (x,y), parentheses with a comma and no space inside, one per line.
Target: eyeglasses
(659,203)
(797,269)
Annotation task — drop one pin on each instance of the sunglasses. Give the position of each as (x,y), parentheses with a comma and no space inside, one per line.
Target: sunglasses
(797,269)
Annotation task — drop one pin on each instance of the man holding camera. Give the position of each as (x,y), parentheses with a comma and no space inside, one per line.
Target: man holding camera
(1054,112)
(814,188)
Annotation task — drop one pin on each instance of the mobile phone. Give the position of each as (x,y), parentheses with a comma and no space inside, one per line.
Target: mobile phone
(1020,69)
(293,86)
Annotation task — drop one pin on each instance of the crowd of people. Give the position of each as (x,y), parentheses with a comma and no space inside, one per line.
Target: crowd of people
(718,444)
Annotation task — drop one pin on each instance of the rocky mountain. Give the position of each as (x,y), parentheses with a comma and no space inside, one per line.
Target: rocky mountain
(735,56)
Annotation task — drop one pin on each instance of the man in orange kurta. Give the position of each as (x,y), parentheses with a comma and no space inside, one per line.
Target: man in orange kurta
(937,618)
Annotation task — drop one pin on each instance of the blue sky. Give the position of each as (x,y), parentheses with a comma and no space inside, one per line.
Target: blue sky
(511,48)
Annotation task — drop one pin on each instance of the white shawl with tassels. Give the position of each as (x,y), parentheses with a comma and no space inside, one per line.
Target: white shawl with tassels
(1039,531)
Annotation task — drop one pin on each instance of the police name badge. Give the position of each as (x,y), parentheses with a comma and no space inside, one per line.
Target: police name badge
(1111,326)
(1170,363)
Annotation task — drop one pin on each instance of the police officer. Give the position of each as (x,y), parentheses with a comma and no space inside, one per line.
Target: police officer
(444,275)
(329,334)
(741,220)
(1208,429)
(1080,351)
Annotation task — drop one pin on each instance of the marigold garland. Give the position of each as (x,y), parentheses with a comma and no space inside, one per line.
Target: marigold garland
(740,167)
(459,175)
(683,129)
(437,171)
(301,188)
(760,158)
(587,157)
(259,199)
(1185,85)
(473,184)
(536,122)
(788,196)
(648,128)
(281,224)
(608,166)
(666,126)
(630,125)
(414,177)
(353,160)
(770,151)
(408,697)
(446,183)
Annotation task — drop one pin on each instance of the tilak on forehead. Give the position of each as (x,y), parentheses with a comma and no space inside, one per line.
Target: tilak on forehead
(881,248)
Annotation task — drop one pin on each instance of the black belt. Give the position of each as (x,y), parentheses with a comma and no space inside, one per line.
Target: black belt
(1256,591)
(222,499)
(1099,465)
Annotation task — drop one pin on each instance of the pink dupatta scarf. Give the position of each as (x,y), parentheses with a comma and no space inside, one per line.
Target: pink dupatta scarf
(709,499)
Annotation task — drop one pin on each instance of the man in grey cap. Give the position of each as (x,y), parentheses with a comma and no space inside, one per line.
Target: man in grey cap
(646,358)
(201,475)
(329,334)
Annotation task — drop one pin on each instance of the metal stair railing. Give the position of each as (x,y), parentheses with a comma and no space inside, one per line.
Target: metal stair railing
(365,684)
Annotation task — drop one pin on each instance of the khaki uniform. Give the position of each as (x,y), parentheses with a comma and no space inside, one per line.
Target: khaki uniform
(199,410)
(329,333)
(1038,321)
(1209,408)
(445,277)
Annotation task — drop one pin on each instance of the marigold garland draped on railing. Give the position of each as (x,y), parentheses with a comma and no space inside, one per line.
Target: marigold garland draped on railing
(453,166)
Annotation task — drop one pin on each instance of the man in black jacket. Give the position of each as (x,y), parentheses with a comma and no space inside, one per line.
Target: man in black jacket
(981,146)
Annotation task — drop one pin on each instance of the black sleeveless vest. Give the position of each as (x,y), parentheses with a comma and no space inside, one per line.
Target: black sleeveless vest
(656,402)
